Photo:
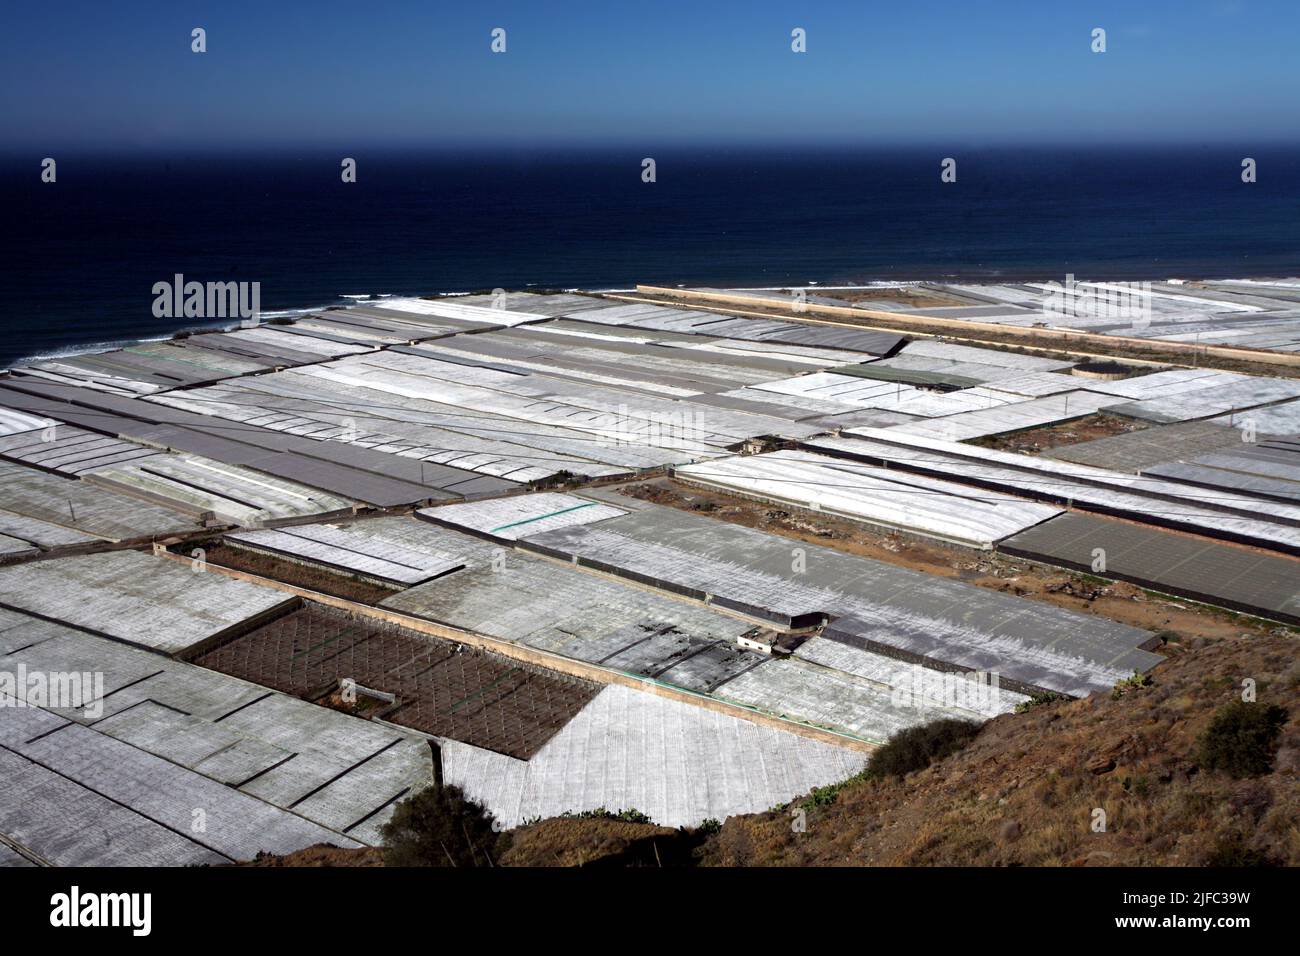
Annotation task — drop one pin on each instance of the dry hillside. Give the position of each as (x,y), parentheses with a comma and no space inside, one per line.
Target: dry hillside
(1025,791)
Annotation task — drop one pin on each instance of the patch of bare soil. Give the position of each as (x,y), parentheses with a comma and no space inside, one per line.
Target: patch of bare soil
(300,575)
(906,295)
(1035,440)
(1181,623)
(322,854)
(564,841)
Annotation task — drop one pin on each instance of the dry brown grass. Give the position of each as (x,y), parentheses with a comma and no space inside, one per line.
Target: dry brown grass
(563,841)
(1026,790)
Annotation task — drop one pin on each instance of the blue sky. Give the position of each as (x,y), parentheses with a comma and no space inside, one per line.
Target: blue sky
(352,74)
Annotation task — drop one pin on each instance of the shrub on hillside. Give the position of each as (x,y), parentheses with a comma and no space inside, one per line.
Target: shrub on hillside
(1038,700)
(440,826)
(917,747)
(630,815)
(1135,682)
(1241,739)
(1233,849)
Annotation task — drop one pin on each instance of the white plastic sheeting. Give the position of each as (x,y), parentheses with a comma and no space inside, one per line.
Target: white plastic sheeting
(677,763)
(1214,513)
(893,499)
(510,518)
(144,600)
(870,603)
(1009,417)
(350,548)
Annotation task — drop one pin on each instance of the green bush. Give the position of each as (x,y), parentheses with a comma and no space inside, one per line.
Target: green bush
(440,826)
(1130,683)
(1241,739)
(630,815)
(825,796)
(917,747)
(1038,700)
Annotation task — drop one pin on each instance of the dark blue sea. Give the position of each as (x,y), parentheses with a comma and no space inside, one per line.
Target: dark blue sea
(79,257)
